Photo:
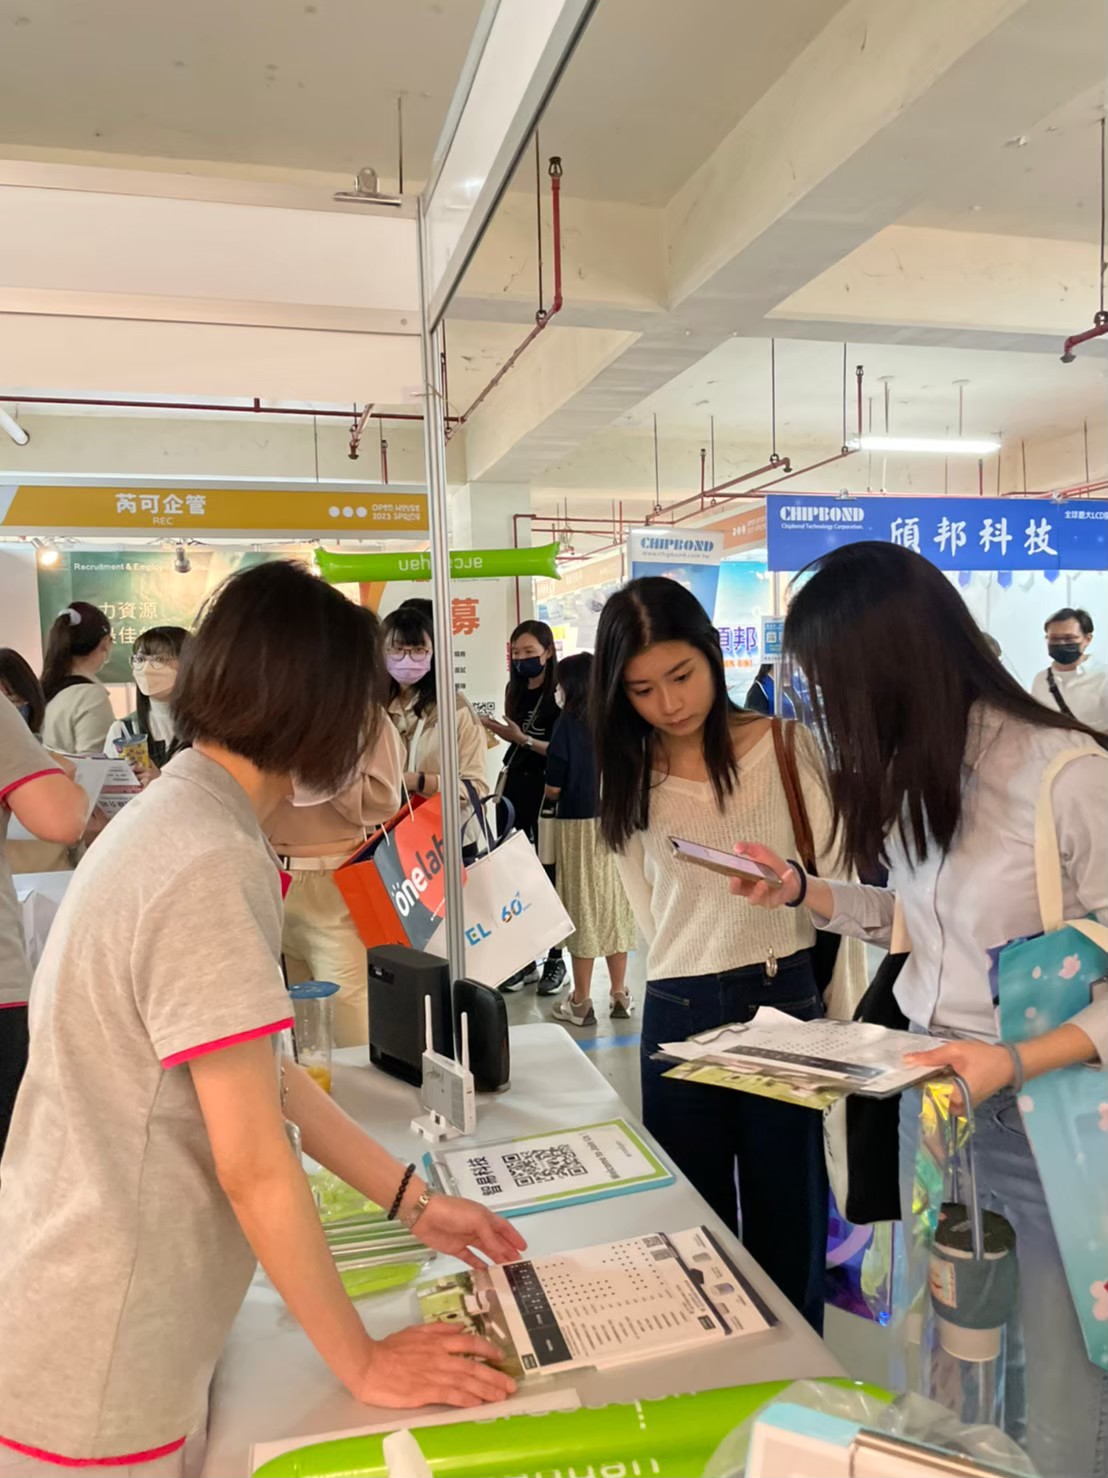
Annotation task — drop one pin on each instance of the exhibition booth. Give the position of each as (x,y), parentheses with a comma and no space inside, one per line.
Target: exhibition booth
(646,1340)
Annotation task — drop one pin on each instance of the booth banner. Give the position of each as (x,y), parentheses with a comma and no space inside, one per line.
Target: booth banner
(953,533)
(744,598)
(691,557)
(338,513)
(136,590)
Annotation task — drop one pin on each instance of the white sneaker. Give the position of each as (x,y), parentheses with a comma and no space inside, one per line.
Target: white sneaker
(574,1014)
(623,1003)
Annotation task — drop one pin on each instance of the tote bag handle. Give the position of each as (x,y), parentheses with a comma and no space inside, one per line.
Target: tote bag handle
(1048,862)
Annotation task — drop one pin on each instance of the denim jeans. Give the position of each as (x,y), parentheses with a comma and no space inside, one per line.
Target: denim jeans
(1055,1398)
(759,1164)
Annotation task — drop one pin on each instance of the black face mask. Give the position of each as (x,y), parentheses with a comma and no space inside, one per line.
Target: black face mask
(528,667)
(1065,653)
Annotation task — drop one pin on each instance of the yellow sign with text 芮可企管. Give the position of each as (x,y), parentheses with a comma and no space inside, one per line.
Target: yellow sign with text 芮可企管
(198,511)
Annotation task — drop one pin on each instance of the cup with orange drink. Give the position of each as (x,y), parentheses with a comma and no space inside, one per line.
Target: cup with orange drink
(314,1028)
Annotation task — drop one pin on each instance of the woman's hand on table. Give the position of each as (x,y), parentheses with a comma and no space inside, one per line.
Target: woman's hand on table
(508,730)
(984,1066)
(462,1229)
(432,1365)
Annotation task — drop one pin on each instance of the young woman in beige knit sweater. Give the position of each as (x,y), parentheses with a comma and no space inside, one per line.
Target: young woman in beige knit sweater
(677,759)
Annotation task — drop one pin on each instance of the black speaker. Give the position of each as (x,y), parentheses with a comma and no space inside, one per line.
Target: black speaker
(487,1022)
(400,980)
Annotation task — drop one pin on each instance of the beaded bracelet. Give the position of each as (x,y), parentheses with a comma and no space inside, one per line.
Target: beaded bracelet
(405,1182)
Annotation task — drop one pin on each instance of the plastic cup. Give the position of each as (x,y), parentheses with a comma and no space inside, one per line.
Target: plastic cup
(314,1028)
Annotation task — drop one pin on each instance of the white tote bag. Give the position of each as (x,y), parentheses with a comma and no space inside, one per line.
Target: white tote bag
(512,913)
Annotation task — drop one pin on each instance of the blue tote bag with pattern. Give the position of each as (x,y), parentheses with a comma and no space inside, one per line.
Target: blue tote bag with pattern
(1043,982)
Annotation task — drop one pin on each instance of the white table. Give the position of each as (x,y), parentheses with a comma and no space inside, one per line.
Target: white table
(270,1383)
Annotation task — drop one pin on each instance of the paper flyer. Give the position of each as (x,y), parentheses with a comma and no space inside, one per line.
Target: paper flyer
(561,1167)
(639,1299)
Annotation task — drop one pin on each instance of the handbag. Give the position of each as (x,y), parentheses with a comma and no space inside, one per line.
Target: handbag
(825,951)
(861,1135)
(1042,982)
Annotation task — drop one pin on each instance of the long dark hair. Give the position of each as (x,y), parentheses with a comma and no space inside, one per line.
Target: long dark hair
(156,641)
(574,675)
(76,631)
(895,662)
(409,626)
(18,676)
(518,686)
(286,672)
(638,616)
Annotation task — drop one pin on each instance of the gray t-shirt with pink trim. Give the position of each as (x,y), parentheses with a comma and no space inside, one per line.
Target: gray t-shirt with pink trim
(122,1265)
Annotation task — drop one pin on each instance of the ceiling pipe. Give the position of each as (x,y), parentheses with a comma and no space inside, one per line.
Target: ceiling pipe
(208,407)
(358,430)
(19,434)
(543,315)
(847,451)
(1100,317)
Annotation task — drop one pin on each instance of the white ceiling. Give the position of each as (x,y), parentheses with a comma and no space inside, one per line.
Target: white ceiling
(308,84)
(1045,186)
(1031,393)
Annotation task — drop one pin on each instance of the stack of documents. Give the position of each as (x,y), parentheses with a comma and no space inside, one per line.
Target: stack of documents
(809,1062)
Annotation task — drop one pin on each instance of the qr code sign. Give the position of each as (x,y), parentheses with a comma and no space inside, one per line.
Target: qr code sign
(539,1167)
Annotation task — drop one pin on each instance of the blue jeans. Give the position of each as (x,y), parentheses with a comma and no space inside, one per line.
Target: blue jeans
(744,1154)
(1055,1398)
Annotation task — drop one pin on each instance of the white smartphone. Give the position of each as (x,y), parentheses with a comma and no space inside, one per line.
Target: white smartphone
(723,862)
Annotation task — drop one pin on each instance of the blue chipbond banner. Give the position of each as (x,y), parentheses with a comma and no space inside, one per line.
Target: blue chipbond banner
(953,533)
(691,557)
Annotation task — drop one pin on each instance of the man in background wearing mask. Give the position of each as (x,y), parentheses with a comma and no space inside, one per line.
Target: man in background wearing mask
(313,835)
(1073,682)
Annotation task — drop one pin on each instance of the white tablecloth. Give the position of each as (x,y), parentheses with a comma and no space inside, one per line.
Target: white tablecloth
(271,1384)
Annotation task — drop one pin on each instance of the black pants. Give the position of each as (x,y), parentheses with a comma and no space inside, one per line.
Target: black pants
(13,1062)
(717,1137)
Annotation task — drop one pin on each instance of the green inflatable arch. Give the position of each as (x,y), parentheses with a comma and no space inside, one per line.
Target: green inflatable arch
(465,564)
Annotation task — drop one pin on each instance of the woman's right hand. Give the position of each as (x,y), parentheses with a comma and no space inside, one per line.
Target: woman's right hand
(758,892)
(432,1365)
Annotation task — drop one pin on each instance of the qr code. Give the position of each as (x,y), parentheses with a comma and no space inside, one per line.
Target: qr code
(485,710)
(538,1167)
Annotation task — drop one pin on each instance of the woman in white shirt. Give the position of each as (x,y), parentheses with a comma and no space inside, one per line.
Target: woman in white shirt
(936,757)
(155,659)
(78,709)
(676,758)
(410,659)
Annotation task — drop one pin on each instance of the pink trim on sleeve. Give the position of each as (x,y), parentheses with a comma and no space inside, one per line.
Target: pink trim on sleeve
(38,775)
(232,1041)
(126,1461)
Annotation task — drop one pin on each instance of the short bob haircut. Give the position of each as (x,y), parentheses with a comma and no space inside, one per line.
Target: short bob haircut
(410,626)
(284,672)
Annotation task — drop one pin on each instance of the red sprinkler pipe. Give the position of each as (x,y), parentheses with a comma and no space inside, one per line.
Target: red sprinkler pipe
(357,430)
(847,451)
(719,491)
(543,315)
(1100,327)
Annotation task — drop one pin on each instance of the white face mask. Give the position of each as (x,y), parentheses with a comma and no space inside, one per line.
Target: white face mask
(302,795)
(155,682)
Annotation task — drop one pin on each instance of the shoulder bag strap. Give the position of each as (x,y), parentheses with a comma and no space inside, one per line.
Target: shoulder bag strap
(784,744)
(1056,693)
(413,743)
(1048,862)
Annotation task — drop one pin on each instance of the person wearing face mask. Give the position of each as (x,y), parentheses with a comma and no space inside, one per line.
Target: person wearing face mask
(78,709)
(1074,683)
(410,660)
(530,714)
(22,689)
(313,834)
(155,659)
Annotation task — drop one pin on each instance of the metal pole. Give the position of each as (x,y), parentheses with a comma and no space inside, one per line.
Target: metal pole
(434,441)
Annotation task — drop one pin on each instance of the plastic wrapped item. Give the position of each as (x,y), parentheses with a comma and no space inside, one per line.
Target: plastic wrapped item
(911,1418)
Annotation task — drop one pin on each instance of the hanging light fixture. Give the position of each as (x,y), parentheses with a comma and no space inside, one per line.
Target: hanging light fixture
(943,446)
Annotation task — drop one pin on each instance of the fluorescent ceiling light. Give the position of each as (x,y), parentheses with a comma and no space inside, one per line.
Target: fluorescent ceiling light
(944,446)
